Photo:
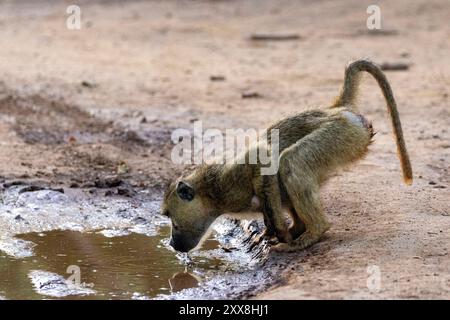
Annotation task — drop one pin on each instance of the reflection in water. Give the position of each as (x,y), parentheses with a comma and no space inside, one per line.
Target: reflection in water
(118,267)
(183,280)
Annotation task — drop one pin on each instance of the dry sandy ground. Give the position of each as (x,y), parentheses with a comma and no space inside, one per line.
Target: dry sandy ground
(76,105)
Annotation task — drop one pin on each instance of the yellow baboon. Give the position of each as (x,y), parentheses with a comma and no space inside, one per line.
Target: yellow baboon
(312,145)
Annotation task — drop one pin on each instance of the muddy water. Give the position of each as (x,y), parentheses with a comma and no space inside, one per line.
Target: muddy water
(120,267)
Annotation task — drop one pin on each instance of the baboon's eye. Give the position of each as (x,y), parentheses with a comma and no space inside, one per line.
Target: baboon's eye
(185,191)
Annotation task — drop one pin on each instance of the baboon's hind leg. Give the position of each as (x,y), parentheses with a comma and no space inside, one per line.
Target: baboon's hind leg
(301,167)
(309,161)
(307,205)
(297,228)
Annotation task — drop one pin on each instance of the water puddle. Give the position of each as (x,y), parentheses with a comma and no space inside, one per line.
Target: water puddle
(103,265)
(57,245)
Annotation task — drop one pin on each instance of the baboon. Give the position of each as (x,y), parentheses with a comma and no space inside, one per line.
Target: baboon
(312,145)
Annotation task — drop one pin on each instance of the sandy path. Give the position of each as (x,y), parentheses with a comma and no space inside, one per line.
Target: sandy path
(154,60)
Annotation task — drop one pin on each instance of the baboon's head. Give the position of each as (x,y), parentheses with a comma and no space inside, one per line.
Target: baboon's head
(191,214)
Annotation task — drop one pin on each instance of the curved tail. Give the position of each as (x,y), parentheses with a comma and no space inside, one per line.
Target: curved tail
(348,98)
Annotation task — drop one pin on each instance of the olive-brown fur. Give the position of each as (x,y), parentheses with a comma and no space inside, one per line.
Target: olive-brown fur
(312,146)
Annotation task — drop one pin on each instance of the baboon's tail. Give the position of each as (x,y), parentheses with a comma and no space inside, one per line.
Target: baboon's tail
(348,98)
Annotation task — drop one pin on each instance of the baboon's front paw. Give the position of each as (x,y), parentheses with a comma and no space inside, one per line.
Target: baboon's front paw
(284,236)
(296,231)
(280,247)
(272,240)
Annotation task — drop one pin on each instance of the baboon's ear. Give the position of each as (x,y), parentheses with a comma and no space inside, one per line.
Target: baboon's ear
(185,191)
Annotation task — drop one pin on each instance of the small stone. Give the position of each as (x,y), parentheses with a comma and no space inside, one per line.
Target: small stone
(250,95)
(109,193)
(88,84)
(217,78)
(125,192)
(123,168)
(71,139)
(108,182)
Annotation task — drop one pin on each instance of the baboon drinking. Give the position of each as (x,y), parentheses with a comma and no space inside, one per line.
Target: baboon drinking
(312,145)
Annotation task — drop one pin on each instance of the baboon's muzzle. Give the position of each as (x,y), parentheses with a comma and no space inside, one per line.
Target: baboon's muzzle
(182,243)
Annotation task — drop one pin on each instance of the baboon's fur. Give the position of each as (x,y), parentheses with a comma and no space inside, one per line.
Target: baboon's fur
(312,145)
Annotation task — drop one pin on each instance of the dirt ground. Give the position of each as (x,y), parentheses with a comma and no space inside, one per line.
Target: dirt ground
(77,106)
